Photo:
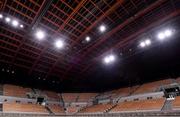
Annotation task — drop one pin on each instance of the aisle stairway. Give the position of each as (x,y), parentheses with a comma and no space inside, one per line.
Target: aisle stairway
(167,105)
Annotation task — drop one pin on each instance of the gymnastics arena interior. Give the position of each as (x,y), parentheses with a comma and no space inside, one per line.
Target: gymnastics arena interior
(89,58)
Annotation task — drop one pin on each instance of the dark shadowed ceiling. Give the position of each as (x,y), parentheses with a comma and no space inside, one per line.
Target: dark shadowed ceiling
(78,66)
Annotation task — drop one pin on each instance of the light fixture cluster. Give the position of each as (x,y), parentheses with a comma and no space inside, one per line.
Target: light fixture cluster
(165,34)
(109,59)
(7,70)
(161,36)
(102,28)
(145,43)
(41,35)
(11,21)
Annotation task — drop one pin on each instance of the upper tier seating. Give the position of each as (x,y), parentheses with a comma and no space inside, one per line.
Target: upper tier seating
(16,91)
(24,108)
(153,104)
(72,110)
(151,87)
(176,103)
(69,97)
(100,108)
(178,80)
(56,109)
(52,95)
(122,92)
(85,97)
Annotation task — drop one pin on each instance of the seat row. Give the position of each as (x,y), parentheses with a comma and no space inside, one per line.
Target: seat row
(131,106)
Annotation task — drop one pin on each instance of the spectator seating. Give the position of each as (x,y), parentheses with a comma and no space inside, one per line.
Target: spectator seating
(142,105)
(151,87)
(16,91)
(176,103)
(56,109)
(122,92)
(85,97)
(52,95)
(72,110)
(178,80)
(100,108)
(24,108)
(69,97)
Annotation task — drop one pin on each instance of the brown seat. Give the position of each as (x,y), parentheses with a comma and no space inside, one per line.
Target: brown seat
(56,109)
(24,108)
(69,97)
(16,91)
(152,86)
(154,104)
(84,97)
(176,103)
(100,108)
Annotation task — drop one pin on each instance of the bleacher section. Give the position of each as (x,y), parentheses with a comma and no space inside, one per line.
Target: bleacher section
(100,108)
(56,109)
(85,97)
(52,95)
(15,91)
(151,105)
(24,108)
(70,97)
(153,86)
(123,100)
(176,103)
(71,110)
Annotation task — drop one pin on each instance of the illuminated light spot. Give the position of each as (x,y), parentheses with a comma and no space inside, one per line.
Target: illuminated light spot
(40,35)
(102,28)
(59,44)
(7,19)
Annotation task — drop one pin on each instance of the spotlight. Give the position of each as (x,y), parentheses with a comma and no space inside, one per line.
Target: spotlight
(168,33)
(148,42)
(15,23)
(106,60)
(59,43)
(21,26)
(87,38)
(102,28)
(142,44)
(165,34)
(7,19)
(145,43)
(109,59)
(161,36)
(40,34)
(1,16)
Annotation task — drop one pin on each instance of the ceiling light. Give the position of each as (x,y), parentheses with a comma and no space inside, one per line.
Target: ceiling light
(102,28)
(142,44)
(112,58)
(106,60)
(109,59)
(161,36)
(59,43)
(15,23)
(147,42)
(164,34)
(7,19)
(21,26)
(87,38)
(40,35)
(168,33)
(1,16)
